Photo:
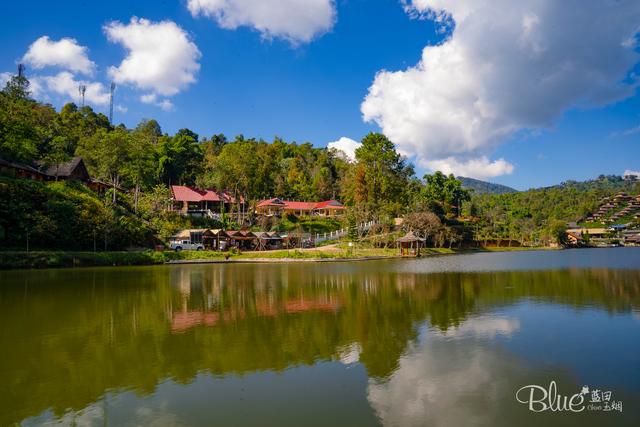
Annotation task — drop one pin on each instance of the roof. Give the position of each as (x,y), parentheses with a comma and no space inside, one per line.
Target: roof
(186,234)
(183,193)
(271,202)
(20,166)
(334,204)
(409,237)
(65,169)
(300,206)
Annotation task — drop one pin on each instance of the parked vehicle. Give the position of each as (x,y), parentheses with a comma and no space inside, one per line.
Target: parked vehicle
(186,245)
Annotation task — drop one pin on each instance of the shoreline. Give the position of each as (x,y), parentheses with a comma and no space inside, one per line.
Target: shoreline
(22,260)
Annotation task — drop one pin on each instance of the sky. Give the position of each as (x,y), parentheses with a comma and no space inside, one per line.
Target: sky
(526,94)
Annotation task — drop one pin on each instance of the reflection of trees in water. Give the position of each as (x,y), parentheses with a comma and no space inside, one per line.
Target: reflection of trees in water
(88,331)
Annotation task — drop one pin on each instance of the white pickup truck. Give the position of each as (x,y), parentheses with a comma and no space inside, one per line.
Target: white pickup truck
(179,245)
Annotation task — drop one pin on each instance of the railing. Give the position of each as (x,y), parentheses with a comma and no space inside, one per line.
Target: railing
(343,232)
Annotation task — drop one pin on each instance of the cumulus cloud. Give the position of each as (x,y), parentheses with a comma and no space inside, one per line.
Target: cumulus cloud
(152,98)
(480,167)
(161,56)
(347,145)
(485,327)
(4,78)
(504,66)
(64,83)
(293,20)
(65,53)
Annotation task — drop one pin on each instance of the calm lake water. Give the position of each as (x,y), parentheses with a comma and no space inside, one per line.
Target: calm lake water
(443,341)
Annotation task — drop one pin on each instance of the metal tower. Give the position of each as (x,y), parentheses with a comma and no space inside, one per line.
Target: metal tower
(82,89)
(113,89)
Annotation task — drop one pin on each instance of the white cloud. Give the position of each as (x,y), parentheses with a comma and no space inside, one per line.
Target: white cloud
(480,167)
(64,83)
(506,66)
(293,20)
(347,145)
(4,78)
(152,98)
(65,53)
(439,382)
(161,57)
(626,132)
(485,327)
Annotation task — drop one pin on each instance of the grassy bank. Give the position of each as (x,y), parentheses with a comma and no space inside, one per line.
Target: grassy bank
(58,259)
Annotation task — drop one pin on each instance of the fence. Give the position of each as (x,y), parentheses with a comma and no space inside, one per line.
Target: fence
(343,232)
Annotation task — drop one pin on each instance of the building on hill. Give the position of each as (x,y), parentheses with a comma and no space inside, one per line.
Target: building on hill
(278,207)
(74,169)
(196,202)
(20,170)
(71,170)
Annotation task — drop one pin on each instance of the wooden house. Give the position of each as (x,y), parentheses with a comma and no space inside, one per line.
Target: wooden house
(193,201)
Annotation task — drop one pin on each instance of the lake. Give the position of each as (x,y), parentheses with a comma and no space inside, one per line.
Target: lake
(441,341)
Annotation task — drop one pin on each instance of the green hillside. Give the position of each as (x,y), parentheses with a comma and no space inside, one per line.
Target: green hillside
(483,187)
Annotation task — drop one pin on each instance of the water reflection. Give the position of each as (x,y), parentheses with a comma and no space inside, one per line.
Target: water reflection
(418,348)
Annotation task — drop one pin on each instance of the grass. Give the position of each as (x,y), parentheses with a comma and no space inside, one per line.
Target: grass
(57,259)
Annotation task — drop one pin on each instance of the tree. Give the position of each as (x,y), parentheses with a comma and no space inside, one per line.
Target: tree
(140,167)
(558,231)
(179,159)
(234,169)
(150,130)
(380,178)
(425,225)
(58,152)
(17,87)
(108,154)
(444,194)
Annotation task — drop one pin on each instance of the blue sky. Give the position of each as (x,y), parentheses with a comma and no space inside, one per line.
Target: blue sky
(463,106)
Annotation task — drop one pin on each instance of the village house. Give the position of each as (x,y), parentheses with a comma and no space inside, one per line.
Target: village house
(71,170)
(196,202)
(278,207)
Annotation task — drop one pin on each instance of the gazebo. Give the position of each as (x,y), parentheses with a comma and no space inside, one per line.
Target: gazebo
(410,244)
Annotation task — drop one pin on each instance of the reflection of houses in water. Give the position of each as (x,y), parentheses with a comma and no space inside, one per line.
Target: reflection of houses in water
(294,306)
(189,319)
(222,295)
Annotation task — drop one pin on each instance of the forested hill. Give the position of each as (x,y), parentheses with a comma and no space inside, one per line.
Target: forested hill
(483,187)
(528,215)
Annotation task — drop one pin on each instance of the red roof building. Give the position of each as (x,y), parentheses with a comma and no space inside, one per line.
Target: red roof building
(194,201)
(278,206)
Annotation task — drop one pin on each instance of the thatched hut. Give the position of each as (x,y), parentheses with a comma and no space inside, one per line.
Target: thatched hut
(243,240)
(268,240)
(215,240)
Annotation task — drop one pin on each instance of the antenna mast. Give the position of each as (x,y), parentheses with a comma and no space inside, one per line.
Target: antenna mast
(82,89)
(113,89)
(21,70)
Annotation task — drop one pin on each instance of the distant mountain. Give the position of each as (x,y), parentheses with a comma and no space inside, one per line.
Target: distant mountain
(483,187)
